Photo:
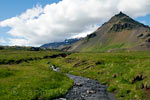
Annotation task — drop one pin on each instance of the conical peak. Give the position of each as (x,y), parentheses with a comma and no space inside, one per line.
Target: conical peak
(121,14)
(119,18)
(122,21)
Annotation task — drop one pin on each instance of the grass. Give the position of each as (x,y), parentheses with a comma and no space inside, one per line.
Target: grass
(109,47)
(15,56)
(127,74)
(32,79)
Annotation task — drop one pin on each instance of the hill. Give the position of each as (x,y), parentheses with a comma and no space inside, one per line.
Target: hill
(121,32)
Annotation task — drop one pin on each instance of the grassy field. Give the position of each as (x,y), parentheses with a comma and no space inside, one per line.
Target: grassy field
(26,75)
(127,74)
(31,78)
(8,56)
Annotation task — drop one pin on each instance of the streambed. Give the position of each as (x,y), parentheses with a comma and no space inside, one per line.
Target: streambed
(86,89)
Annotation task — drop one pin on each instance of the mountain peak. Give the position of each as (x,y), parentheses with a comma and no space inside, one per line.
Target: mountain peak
(121,14)
(119,17)
(122,21)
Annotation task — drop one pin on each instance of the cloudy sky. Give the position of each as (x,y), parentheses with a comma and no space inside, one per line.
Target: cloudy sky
(35,22)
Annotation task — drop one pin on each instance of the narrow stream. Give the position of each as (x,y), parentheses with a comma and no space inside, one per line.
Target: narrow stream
(86,89)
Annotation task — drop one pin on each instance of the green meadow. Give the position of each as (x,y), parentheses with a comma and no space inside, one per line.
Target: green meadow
(31,78)
(26,75)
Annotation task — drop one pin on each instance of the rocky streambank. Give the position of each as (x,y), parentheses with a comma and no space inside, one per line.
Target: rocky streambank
(86,89)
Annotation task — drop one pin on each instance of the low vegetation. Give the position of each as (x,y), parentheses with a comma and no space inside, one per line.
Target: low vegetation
(30,79)
(127,74)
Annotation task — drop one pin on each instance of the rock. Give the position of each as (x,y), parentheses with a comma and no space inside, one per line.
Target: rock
(90,92)
(147,35)
(126,25)
(147,44)
(78,84)
(55,69)
(91,35)
(147,40)
(119,27)
(140,35)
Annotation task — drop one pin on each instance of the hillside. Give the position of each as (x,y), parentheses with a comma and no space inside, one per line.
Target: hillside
(121,32)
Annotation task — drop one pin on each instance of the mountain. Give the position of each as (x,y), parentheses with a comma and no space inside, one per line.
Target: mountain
(57,45)
(121,32)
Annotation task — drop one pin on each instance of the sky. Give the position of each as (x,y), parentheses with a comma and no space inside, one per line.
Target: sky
(36,22)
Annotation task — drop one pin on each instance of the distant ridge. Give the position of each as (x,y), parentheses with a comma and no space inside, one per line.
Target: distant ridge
(58,45)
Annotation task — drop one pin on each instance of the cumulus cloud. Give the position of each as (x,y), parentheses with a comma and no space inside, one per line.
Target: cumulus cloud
(68,18)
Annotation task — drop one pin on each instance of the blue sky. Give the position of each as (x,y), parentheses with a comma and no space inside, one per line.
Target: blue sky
(12,8)
(144,19)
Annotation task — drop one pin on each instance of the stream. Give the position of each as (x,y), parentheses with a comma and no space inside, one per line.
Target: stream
(86,89)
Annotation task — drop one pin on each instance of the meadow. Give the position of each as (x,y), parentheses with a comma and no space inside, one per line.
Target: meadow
(26,75)
(127,74)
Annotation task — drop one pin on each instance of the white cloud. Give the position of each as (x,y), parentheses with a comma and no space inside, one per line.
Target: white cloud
(135,8)
(68,18)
